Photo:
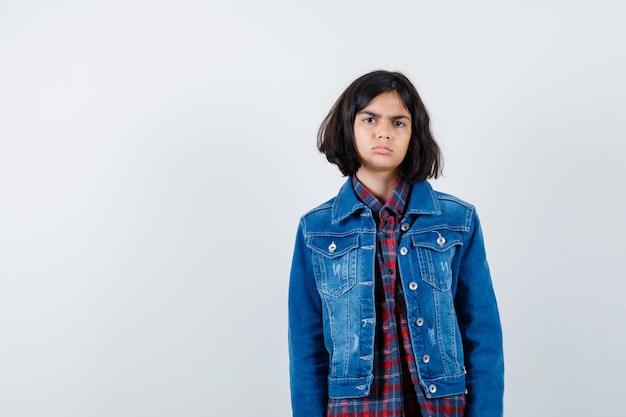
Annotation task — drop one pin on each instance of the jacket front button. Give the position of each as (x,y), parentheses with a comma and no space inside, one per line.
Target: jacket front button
(426,358)
(404,227)
(332,247)
(404,251)
(432,388)
(419,322)
(413,285)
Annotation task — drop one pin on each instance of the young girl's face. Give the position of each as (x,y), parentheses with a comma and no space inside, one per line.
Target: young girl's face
(382,132)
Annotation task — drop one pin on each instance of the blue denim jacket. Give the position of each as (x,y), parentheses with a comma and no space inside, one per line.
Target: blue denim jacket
(452,312)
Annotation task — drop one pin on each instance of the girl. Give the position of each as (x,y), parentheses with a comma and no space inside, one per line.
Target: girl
(391,306)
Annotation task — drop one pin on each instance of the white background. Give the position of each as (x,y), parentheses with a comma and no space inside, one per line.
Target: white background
(155,157)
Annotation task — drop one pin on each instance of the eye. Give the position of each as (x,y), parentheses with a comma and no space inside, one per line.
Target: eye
(398,123)
(369,120)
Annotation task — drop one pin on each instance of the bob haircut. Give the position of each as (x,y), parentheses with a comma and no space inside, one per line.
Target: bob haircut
(335,137)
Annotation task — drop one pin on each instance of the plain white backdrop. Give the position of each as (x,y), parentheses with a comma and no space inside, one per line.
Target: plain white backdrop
(155,157)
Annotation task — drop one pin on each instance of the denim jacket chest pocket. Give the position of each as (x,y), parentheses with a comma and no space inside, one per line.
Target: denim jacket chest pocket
(334,262)
(435,251)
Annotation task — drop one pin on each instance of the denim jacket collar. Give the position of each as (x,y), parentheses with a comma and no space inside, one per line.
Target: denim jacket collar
(422,200)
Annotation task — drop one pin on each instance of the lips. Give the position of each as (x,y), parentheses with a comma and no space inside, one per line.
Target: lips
(382,150)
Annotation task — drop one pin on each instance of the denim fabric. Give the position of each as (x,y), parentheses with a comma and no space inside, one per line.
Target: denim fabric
(451,306)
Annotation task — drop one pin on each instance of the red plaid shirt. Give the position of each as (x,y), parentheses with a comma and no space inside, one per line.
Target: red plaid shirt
(395,390)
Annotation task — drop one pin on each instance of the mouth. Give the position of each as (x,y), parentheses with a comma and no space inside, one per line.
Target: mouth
(382,150)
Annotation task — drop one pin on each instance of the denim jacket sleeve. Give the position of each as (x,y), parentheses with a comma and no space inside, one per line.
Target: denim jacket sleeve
(479,324)
(308,365)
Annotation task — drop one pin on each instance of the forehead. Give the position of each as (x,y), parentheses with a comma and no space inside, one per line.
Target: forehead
(389,101)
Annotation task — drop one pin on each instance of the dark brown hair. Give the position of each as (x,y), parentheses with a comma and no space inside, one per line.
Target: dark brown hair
(335,137)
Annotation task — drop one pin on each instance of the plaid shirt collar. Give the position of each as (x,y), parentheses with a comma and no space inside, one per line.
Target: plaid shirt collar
(421,200)
(396,202)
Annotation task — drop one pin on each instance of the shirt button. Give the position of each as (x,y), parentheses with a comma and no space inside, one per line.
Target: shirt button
(432,388)
(419,322)
(332,247)
(404,227)
(404,251)
(426,358)
(413,285)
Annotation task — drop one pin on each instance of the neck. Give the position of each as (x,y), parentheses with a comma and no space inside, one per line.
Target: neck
(381,185)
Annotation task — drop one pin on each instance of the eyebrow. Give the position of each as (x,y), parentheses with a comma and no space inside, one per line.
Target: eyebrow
(394,117)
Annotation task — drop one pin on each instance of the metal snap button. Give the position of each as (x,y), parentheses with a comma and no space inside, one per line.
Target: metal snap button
(432,388)
(441,240)
(419,322)
(332,247)
(426,358)
(404,251)
(404,227)
(413,285)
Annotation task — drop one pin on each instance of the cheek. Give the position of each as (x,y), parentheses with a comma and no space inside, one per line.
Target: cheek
(359,146)
(359,139)
(406,144)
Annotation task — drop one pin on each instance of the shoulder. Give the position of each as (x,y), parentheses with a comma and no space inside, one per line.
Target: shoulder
(443,209)
(321,209)
(341,206)
(452,200)
(341,214)
(428,200)
(318,216)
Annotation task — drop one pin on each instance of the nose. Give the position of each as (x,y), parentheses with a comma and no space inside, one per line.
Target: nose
(383,131)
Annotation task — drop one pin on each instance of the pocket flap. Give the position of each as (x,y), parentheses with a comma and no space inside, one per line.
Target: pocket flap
(439,240)
(333,246)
